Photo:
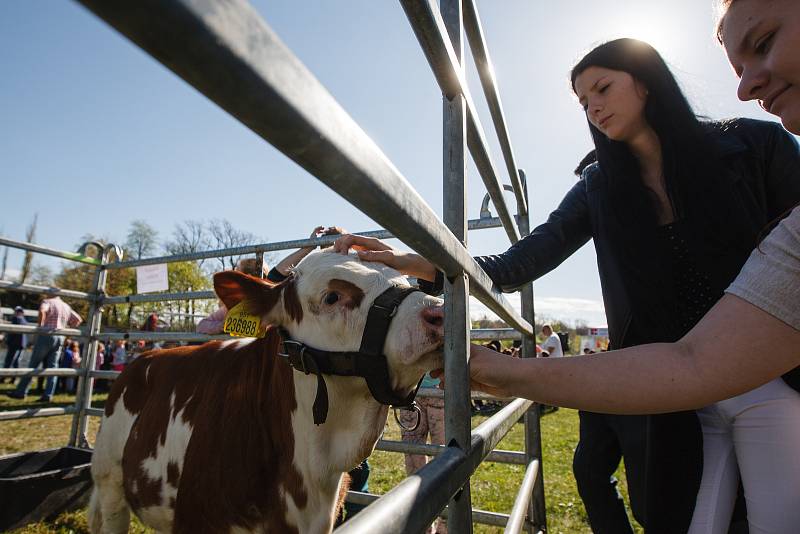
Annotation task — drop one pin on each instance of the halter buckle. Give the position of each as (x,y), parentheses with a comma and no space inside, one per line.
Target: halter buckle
(413,408)
(300,346)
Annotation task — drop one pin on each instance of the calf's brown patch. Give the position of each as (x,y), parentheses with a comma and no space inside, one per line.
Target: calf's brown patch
(238,401)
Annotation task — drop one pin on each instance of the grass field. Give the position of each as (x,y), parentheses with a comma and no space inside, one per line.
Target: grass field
(494,485)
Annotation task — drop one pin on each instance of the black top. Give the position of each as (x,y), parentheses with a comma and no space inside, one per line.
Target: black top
(692,292)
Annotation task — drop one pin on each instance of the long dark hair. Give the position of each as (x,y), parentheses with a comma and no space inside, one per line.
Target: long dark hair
(684,141)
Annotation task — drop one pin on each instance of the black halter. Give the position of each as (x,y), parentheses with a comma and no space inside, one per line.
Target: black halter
(369,362)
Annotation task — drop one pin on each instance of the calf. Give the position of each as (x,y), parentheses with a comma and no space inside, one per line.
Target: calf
(221,438)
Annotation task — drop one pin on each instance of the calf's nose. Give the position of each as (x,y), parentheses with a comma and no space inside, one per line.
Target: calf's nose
(433,319)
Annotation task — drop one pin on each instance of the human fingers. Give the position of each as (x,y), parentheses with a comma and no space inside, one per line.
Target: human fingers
(387,257)
(358,242)
(342,244)
(316,231)
(483,365)
(473,385)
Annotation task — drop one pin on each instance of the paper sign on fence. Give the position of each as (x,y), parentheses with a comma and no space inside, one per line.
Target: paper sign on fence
(150,278)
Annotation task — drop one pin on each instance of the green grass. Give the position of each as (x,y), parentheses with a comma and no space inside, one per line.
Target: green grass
(494,486)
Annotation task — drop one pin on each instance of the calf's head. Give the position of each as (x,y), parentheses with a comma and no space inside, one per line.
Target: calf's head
(324,304)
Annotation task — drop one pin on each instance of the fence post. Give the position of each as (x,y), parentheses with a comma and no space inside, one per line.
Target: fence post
(533,436)
(456,294)
(83,396)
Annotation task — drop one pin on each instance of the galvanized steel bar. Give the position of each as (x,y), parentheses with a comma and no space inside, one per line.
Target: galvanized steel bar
(412,505)
(494,333)
(474,224)
(104,375)
(478,516)
(415,502)
(488,434)
(83,397)
(73,256)
(406,447)
(94,412)
(439,394)
(210,44)
(533,434)
(160,297)
(516,519)
(162,336)
(8,285)
(456,294)
(31,371)
(431,33)
(25,329)
(35,412)
(480,53)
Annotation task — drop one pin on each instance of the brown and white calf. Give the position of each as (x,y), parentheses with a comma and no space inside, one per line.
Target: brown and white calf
(220,437)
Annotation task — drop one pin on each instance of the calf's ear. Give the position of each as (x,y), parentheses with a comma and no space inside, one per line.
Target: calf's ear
(233,287)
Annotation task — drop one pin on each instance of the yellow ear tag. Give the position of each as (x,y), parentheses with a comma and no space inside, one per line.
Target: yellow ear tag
(242,324)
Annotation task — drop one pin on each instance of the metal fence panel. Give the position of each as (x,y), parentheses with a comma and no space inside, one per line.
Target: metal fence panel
(209,44)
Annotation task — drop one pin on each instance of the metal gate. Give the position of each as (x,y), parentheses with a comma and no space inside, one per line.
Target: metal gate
(208,44)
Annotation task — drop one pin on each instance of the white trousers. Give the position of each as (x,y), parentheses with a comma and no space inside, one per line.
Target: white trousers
(757,435)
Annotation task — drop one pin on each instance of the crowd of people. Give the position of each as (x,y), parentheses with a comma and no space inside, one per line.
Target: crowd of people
(50,351)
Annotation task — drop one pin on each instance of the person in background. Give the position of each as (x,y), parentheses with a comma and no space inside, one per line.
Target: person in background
(71,360)
(99,365)
(15,343)
(552,343)
(137,350)
(213,323)
(119,356)
(151,323)
(54,314)
(431,424)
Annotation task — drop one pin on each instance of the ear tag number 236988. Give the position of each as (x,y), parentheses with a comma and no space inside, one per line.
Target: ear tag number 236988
(242,324)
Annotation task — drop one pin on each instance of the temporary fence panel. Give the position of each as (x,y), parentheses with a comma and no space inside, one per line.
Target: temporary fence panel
(279,99)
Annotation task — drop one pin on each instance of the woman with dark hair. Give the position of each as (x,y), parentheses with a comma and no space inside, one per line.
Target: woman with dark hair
(674,205)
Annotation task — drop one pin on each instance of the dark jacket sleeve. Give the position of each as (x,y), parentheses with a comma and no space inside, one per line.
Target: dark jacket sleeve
(782,170)
(567,229)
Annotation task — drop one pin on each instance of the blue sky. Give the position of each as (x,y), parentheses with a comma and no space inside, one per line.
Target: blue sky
(95,133)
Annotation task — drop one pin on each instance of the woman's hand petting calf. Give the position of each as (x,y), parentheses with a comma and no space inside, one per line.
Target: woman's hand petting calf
(371,249)
(489,371)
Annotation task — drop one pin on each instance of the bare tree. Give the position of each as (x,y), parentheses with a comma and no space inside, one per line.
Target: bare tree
(141,240)
(188,237)
(41,275)
(27,262)
(223,235)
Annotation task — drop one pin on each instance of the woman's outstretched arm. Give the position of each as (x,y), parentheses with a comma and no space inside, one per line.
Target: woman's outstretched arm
(734,348)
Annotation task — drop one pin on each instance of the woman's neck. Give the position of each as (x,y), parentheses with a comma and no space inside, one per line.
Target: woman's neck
(646,148)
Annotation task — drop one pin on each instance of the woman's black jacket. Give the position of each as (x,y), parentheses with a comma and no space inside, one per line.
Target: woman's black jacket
(761,167)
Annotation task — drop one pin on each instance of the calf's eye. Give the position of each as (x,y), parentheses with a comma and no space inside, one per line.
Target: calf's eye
(331,298)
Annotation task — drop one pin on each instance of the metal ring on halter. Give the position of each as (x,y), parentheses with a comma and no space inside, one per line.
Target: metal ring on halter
(413,408)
